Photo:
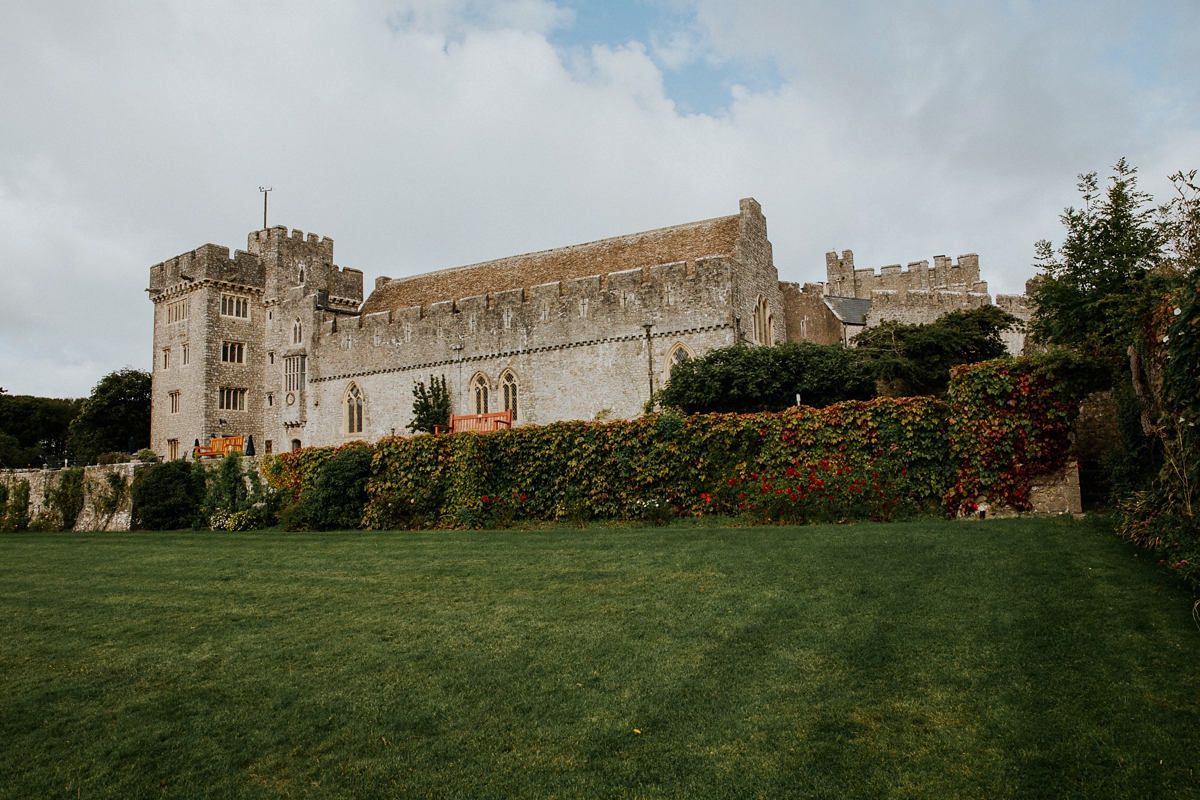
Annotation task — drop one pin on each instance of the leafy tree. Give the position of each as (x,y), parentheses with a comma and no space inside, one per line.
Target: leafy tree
(32,428)
(916,359)
(744,379)
(430,406)
(13,456)
(1097,288)
(116,414)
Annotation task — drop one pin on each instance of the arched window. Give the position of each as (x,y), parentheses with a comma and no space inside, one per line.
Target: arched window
(508,384)
(297,332)
(480,385)
(354,410)
(764,323)
(677,357)
(295,445)
(301,280)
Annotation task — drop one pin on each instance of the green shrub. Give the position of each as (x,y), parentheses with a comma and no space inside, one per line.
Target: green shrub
(241,521)
(16,508)
(147,456)
(882,459)
(339,494)
(742,379)
(226,491)
(65,498)
(166,497)
(113,457)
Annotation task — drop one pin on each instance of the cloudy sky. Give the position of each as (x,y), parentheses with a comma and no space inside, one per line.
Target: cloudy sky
(422,134)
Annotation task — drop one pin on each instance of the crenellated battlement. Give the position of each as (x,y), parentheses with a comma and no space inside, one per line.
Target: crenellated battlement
(843,279)
(266,236)
(590,307)
(208,262)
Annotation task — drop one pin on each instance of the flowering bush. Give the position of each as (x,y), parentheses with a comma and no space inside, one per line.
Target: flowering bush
(1010,422)
(878,459)
(662,465)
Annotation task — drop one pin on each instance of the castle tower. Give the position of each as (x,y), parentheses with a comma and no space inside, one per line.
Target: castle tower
(218,334)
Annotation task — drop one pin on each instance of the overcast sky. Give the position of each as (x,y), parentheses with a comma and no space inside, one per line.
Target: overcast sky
(431,133)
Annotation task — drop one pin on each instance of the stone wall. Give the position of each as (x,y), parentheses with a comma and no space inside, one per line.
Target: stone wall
(1049,495)
(681,243)
(576,348)
(844,280)
(41,481)
(807,317)
(920,306)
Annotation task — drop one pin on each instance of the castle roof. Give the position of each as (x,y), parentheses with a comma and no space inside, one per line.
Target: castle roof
(849,310)
(712,237)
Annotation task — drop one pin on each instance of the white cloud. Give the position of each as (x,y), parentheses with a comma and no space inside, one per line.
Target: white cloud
(422,135)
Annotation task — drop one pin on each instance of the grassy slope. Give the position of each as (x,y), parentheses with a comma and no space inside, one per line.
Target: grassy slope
(1010,658)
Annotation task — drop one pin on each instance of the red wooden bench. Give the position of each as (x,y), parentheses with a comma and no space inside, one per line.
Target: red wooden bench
(482,423)
(219,446)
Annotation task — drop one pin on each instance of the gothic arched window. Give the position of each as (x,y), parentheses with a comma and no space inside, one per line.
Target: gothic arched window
(354,410)
(677,357)
(297,332)
(764,323)
(480,385)
(508,384)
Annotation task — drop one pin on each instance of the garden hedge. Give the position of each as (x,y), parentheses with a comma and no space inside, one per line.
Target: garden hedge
(1006,421)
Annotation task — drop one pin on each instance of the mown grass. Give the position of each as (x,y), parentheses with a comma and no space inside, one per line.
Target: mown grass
(1023,658)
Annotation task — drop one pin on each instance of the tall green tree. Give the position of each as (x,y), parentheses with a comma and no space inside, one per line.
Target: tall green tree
(431,406)
(916,359)
(743,379)
(1094,293)
(116,415)
(32,428)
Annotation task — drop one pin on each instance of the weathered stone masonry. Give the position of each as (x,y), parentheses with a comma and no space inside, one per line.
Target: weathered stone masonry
(279,339)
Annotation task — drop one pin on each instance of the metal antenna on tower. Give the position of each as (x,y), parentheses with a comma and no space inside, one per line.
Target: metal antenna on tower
(264,190)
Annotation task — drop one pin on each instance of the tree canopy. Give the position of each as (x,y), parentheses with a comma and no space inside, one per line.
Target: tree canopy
(431,406)
(32,428)
(916,359)
(1093,295)
(115,417)
(744,379)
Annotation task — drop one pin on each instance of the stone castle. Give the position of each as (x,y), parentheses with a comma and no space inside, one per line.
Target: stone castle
(275,341)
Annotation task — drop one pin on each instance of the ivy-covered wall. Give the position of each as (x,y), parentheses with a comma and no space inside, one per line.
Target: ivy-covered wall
(1006,422)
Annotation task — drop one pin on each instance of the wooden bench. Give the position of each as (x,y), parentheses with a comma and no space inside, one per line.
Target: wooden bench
(219,446)
(481,423)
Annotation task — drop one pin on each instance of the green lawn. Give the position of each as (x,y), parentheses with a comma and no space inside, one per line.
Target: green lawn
(1016,658)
